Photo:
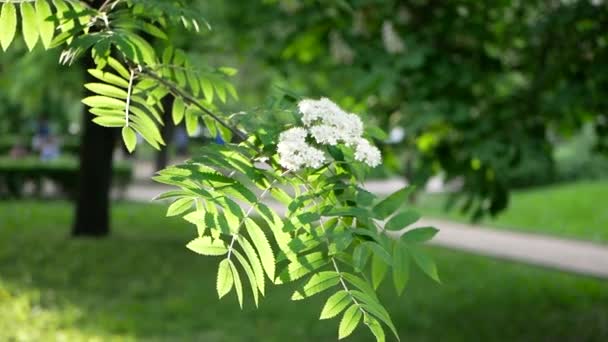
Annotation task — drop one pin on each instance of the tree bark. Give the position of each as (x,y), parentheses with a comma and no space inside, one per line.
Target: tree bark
(162,156)
(94,183)
(92,214)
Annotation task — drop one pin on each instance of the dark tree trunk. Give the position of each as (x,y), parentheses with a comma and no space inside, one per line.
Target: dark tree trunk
(93,199)
(162,156)
(92,217)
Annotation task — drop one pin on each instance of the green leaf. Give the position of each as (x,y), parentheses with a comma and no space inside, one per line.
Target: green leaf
(228,71)
(379,250)
(207,89)
(121,70)
(376,328)
(419,235)
(106,90)
(110,121)
(191,120)
(256,265)
(29,25)
(225,279)
(335,304)
(360,256)
(46,27)
(263,247)
(109,78)
(180,206)
(401,267)
(402,220)
(104,102)
(301,267)
(130,138)
(250,275)
(8,25)
(425,262)
(178,111)
(207,246)
(379,268)
(317,283)
(350,320)
(238,286)
(389,205)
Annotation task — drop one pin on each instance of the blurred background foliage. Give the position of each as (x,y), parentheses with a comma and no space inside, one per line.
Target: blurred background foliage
(495,94)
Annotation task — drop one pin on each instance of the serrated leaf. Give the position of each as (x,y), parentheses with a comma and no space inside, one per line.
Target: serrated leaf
(29,25)
(46,27)
(207,88)
(389,205)
(317,283)
(250,275)
(225,280)
(360,256)
(238,286)
(178,111)
(109,78)
(335,304)
(130,138)
(106,90)
(350,320)
(301,267)
(110,121)
(379,250)
(376,329)
(425,262)
(180,206)
(401,268)
(379,268)
(263,247)
(419,235)
(402,220)
(104,102)
(254,260)
(119,68)
(191,120)
(207,246)
(8,24)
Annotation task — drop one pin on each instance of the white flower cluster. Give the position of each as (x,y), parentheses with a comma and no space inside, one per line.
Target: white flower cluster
(295,153)
(327,124)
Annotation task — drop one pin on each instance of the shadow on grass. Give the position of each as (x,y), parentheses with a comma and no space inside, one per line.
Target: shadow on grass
(142,283)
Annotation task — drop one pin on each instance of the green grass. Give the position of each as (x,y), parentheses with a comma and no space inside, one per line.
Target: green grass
(576,210)
(142,284)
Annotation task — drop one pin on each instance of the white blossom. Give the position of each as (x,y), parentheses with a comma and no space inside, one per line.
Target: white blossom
(327,124)
(295,153)
(367,153)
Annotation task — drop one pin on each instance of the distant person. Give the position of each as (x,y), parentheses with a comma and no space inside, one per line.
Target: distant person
(181,141)
(42,132)
(49,148)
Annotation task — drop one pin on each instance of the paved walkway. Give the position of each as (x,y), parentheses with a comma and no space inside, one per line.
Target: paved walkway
(563,254)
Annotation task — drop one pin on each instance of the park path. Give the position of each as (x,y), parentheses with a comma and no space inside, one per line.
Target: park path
(542,250)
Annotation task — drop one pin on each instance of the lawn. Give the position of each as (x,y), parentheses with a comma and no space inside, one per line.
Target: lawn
(142,284)
(576,210)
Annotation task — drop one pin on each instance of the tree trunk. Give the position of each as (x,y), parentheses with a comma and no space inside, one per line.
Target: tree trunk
(162,156)
(92,216)
(93,199)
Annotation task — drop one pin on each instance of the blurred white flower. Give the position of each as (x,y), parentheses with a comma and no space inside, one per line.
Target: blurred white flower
(392,42)
(340,50)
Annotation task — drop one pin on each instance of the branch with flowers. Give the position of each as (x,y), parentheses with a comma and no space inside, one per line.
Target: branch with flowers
(333,233)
